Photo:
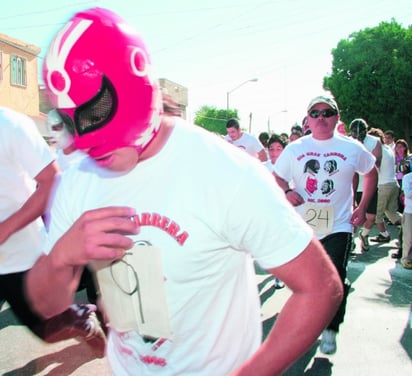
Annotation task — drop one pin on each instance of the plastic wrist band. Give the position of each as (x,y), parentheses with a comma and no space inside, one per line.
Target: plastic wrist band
(288,190)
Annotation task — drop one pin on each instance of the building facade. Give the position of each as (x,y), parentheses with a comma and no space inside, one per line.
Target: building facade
(177,92)
(19,88)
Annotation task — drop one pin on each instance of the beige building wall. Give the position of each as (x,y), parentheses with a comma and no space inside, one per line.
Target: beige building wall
(20,98)
(178,93)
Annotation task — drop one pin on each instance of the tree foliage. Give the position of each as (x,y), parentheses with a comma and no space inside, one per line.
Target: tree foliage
(214,119)
(372,77)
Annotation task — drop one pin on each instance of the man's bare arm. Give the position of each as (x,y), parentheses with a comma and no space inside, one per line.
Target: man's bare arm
(282,183)
(370,181)
(292,196)
(377,152)
(34,207)
(316,294)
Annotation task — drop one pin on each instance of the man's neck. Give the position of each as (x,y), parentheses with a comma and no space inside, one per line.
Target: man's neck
(322,137)
(160,139)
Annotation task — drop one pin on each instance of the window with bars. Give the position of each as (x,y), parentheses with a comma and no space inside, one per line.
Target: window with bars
(18,71)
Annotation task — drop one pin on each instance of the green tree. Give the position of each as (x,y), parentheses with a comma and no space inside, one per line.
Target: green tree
(372,77)
(213,119)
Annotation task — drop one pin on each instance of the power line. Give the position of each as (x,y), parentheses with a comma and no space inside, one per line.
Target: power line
(49,10)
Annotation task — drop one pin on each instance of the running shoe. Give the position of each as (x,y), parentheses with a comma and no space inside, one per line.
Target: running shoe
(381,239)
(279,284)
(79,321)
(328,342)
(406,264)
(364,241)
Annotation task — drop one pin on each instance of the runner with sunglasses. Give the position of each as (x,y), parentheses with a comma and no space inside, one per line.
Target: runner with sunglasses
(193,218)
(328,211)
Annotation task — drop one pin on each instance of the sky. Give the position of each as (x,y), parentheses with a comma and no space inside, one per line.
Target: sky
(268,57)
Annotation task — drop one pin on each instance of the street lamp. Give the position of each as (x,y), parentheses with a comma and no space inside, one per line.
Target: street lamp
(237,87)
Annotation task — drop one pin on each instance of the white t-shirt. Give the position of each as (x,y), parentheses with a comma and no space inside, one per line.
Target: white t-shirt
(23,155)
(66,160)
(370,143)
(322,173)
(407,189)
(247,142)
(387,169)
(269,165)
(210,215)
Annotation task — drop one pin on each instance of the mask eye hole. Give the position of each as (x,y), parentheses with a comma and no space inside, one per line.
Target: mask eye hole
(67,122)
(98,111)
(57,127)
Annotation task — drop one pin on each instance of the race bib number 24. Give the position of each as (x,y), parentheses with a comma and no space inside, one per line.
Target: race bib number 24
(320,218)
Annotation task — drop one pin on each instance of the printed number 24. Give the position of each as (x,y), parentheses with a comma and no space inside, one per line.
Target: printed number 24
(313,217)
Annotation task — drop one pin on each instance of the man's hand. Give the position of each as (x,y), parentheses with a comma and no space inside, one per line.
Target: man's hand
(294,198)
(358,216)
(97,234)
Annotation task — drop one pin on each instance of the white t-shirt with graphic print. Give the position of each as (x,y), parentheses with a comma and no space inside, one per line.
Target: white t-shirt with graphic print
(322,172)
(206,217)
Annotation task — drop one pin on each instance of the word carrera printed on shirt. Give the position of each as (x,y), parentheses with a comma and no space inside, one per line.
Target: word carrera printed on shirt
(164,223)
(315,154)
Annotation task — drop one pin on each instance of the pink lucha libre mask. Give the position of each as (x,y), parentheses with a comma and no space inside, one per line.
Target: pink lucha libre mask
(99,77)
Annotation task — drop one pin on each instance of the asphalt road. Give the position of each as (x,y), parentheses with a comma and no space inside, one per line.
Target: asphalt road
(376,338)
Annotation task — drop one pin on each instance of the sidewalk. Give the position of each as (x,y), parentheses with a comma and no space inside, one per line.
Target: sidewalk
(375,339)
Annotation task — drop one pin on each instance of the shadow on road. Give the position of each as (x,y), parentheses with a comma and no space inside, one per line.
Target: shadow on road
(7,318)
(400,294)
(400,291)
(320,366)
(359,261)
(56,363)
(66,361)
(406,339)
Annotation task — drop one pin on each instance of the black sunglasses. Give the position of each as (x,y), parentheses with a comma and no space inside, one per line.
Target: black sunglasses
(327,113)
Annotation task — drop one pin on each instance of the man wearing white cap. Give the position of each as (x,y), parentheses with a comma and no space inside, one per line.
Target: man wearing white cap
(309,163)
